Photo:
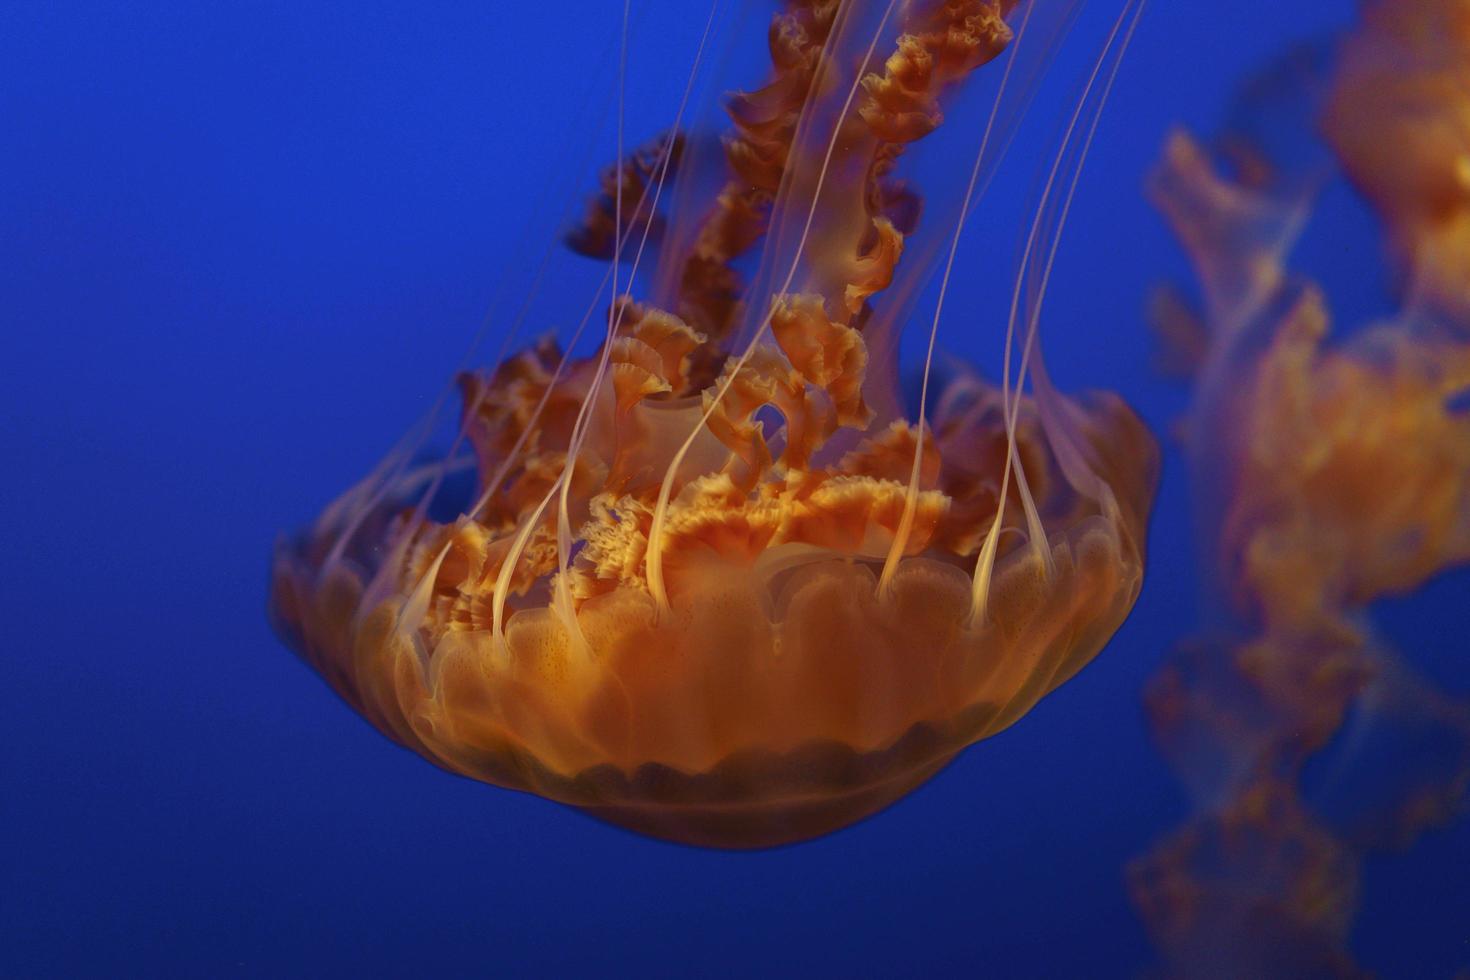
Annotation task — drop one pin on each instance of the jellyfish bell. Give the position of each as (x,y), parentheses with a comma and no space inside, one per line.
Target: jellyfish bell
(1399,120)
(713,584)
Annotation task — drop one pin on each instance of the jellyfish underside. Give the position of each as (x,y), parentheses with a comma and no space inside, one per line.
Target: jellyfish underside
(774,604)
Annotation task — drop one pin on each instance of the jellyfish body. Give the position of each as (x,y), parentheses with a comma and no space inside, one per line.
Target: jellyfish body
(714,586)
(1399,120)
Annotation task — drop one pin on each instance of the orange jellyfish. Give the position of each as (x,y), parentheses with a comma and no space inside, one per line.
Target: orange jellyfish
(1331,472)
(1399,119)
(713,583)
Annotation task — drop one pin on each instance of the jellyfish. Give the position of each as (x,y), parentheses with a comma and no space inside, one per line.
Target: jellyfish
(1331,470)
(715,582)
(1399,120)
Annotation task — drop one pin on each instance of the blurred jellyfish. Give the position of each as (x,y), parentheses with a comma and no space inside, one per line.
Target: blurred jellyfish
(1328,473)
(713,582)
(1399,119)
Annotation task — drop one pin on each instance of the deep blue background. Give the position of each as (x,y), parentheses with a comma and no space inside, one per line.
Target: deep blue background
(240,248)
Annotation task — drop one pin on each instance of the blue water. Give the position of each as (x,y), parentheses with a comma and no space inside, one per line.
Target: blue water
(241,246)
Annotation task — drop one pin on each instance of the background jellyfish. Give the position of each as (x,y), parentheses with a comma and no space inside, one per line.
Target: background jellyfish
(715,582)
(1330,472)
